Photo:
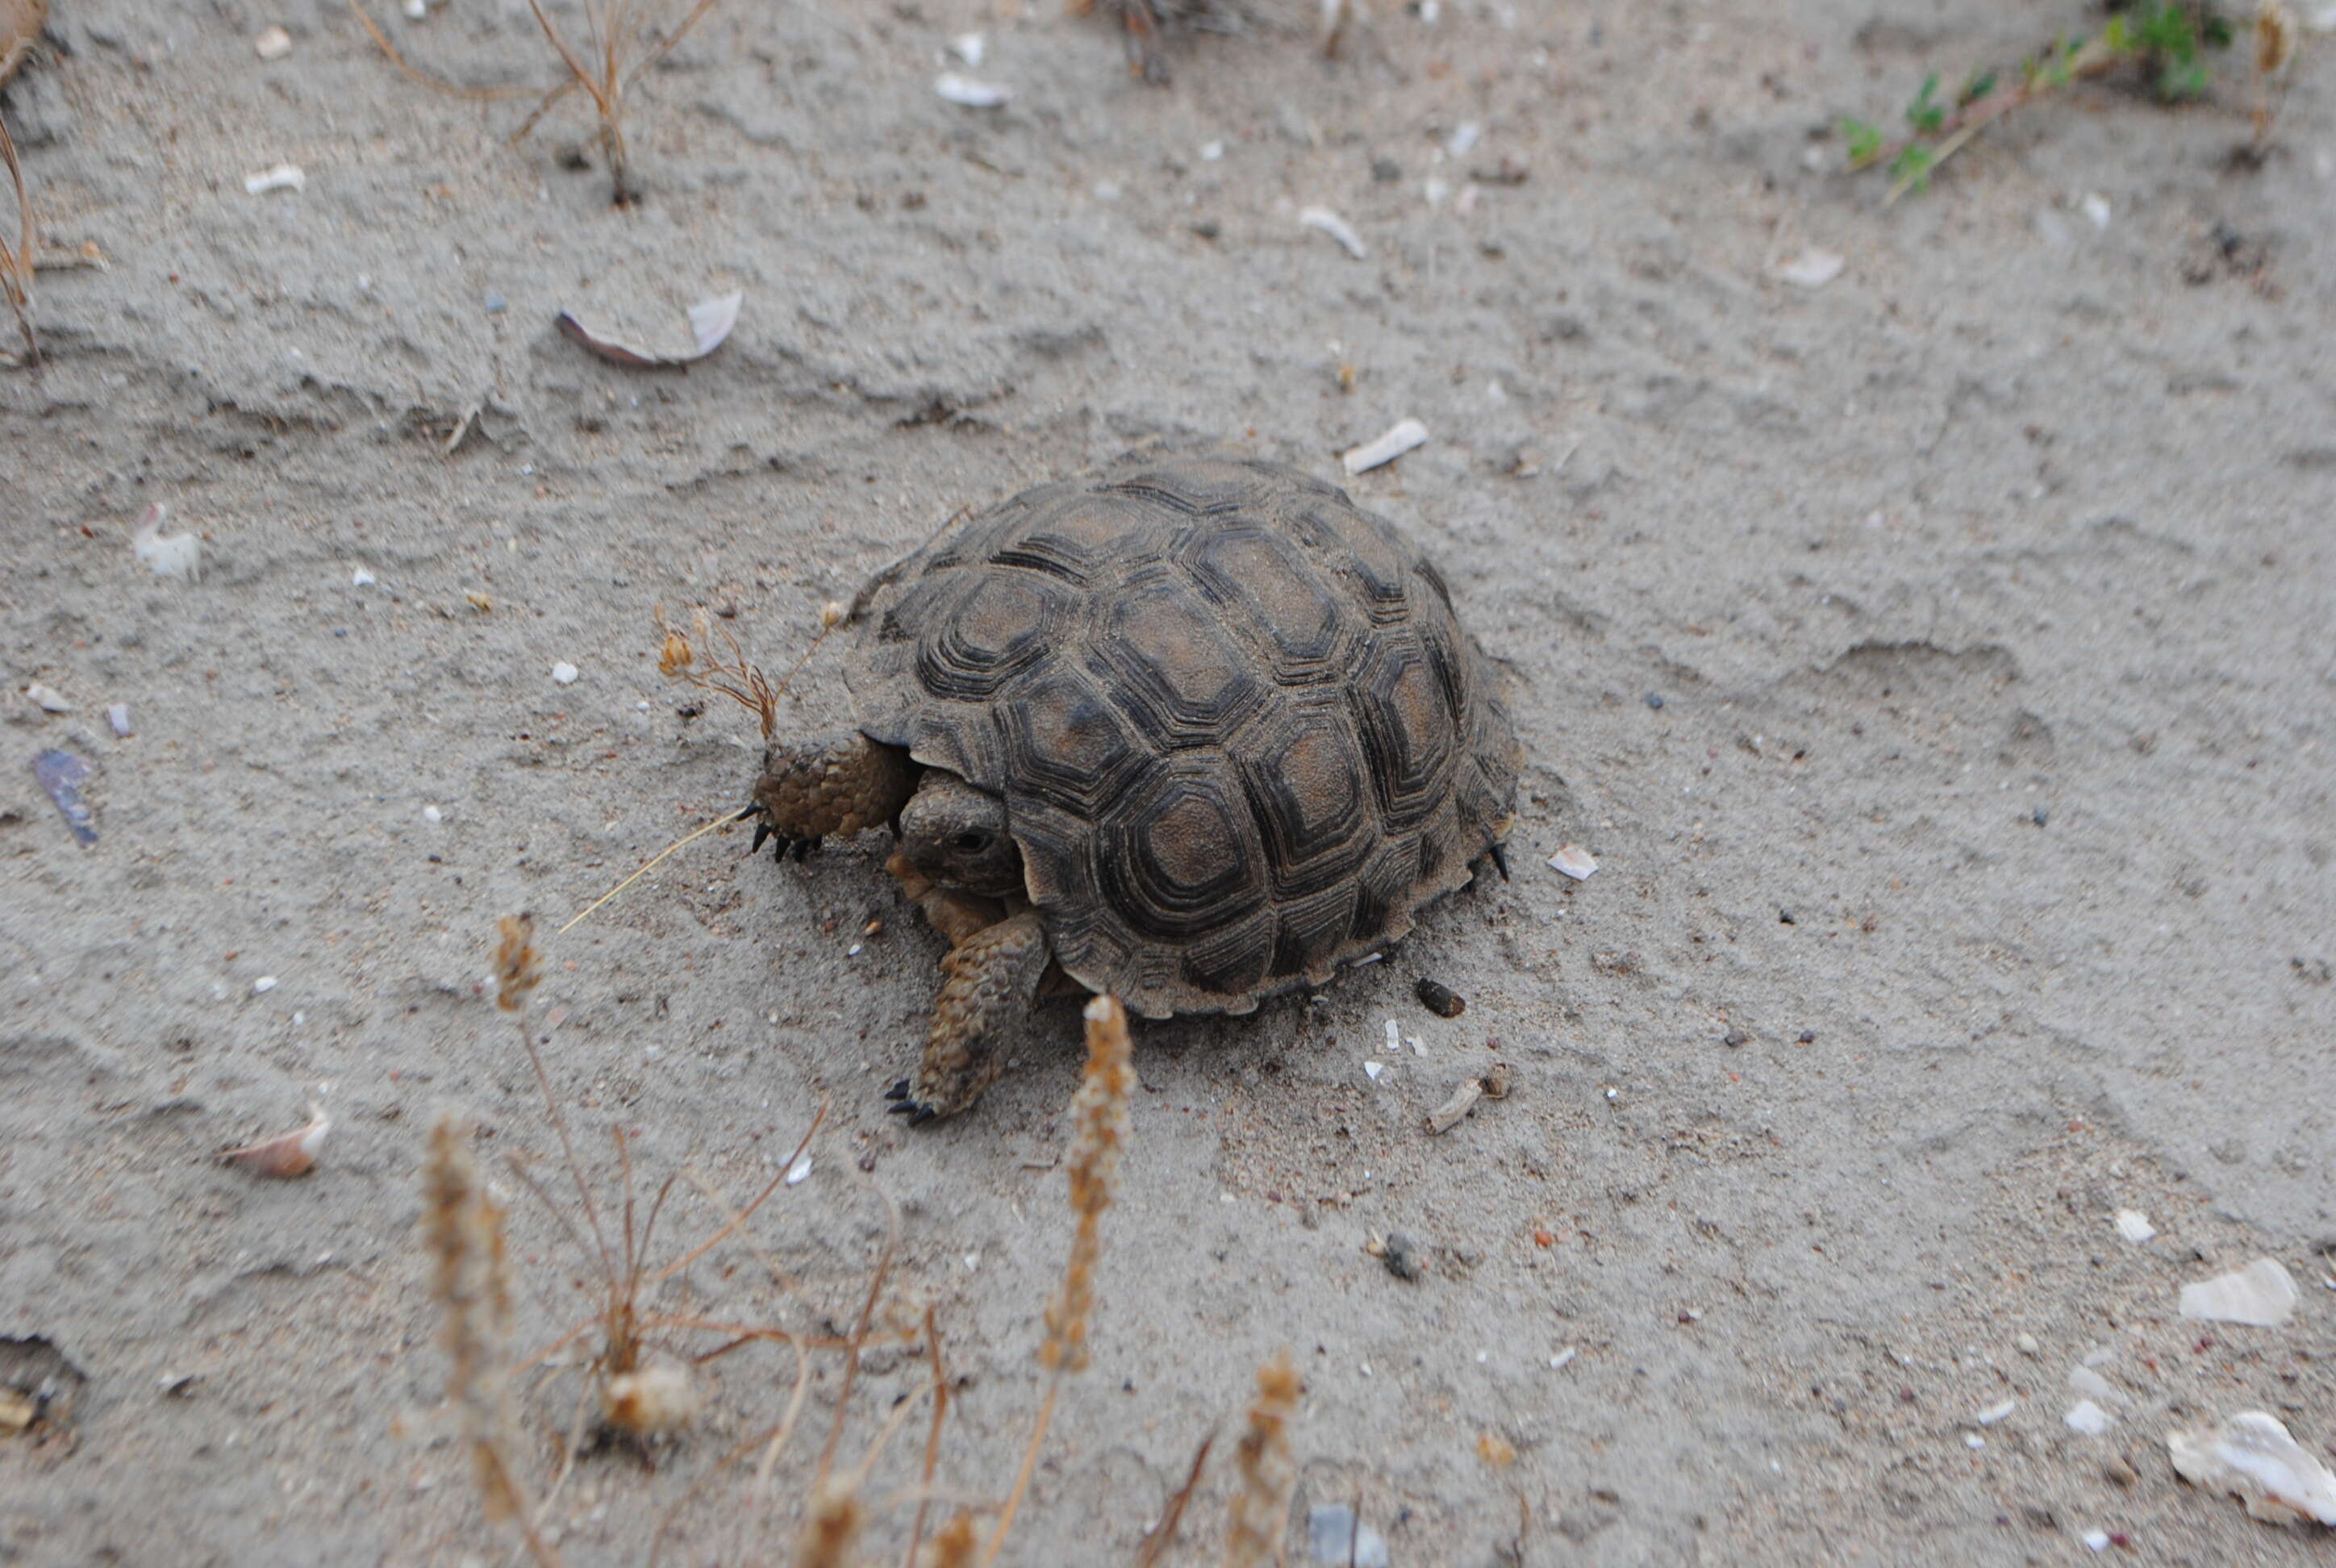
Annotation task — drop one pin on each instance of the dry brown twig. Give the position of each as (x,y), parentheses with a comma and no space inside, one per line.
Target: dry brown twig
(1099,1114)
(17,260)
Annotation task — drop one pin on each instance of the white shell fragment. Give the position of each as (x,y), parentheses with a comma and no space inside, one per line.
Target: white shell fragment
(800,1172)
(1812,269)
(2090,1418)
(2135,1226)
(967,94)
(2262,1294)
(292,1153)
(273,44)
(178,555)
(116,715)
(2250,1454)
(1995,1415)
(1339,229)
(565,673)
(1401,438)
(49,699)
(1574,861)
(283,177)
(1372,1070)
(710,321)
(361,578)
(263,985)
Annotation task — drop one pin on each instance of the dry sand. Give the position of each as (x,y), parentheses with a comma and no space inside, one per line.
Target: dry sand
(1986,590)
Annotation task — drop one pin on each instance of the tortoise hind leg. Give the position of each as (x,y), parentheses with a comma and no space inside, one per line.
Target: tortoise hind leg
(992,976)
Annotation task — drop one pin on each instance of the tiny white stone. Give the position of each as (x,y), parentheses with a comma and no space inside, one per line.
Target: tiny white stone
(432,814)
(972,1261)
(2098,1540)
(565,673)
(273,44)
(2262,1293)
(1812,269)
(969,47)
(2096,207)
(2090,1418)
(361,578)
(283,177)
(118,717)
(1483,1356)
(1973,1440)
(799,1171)
(2135,1226)
(967,94)
(2028,1345)
(50,700)
(1463,139)
(1559,1362)
(1212,150)
(1373,1070)
(1995,1413)
(265,983)
(416,10)
(1328,222)
(1400,438)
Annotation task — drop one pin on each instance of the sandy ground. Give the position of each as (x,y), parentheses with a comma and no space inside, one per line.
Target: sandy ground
(1937,663)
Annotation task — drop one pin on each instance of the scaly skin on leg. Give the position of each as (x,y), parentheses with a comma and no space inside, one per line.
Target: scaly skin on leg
(955,915)
(836,783)
(991,977)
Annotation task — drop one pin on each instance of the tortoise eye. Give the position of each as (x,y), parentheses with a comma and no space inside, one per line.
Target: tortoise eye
(971,842)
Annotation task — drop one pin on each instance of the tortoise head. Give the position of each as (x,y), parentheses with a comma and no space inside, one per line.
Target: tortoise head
(956,834)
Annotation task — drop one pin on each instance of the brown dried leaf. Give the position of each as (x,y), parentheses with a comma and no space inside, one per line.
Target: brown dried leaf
(710,321)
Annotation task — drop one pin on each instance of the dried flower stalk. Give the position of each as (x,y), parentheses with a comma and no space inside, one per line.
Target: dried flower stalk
(1099,1113)
(517,969)
(464,1223)
(955,1545)
(1261,1509)
(834,1524)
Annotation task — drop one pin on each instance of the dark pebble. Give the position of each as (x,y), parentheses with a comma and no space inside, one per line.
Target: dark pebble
(1402,1257)
(1734,1038)
(1386,171)
(1785,917)
(2039,816)
(496,303)
(1808,1037)
(1441,1001)
(1654,699)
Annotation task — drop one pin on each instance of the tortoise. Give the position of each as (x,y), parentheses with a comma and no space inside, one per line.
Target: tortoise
(1190,729)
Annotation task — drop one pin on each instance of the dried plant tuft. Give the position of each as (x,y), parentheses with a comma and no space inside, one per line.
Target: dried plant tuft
(835,1522)
(1260,1508)
(736,677)
(956,1545)
(16,259)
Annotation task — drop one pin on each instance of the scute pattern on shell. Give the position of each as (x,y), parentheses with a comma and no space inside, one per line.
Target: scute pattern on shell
(1240,734)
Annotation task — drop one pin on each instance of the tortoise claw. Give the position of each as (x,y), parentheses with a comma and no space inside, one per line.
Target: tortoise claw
(761,832)
(918,1113)
(898,1091)
(1501,861)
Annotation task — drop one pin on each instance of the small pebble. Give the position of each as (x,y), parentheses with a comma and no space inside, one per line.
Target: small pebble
(273,44)
(432,814)
(1654,699)
(2119,1470)
(565,673)
(1734,1038)
(263,985)
(799,1171)
(1386,171)
(118,715)
(1402,1257)
(361,578)
(2028,1345)
(495,303)
(48,698)
(2098,1540)
(1335,1538)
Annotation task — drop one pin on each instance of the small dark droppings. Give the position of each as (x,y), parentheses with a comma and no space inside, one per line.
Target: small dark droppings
(1654,699)
(2039,816)
(1386,171)
(1402,1257)
(1439,1000)
(1785,917)
(1208,228)
(1808,1037)
(1734,1038)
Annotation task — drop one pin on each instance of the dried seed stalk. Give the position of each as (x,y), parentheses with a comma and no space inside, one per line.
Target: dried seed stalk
(836,1518)
(463,1224)
(1099,1113)
(517,970)
(1260,1508)
(955,1545)
(17,260)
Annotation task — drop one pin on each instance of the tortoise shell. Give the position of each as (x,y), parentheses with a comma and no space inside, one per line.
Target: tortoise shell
(1239,735)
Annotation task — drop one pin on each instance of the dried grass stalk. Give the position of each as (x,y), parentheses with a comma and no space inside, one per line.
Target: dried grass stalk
(1099,1114)
(463,1224)
(17,260)
(1261,1509)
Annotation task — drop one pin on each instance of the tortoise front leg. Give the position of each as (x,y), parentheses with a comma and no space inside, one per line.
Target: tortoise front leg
(836,783)
(992,975)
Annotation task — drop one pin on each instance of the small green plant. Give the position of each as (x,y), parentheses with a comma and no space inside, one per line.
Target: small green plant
(2166,39)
